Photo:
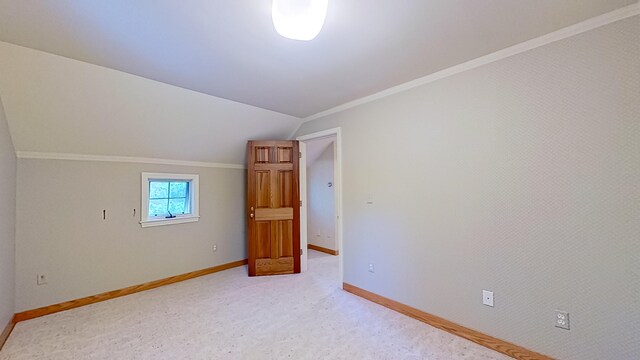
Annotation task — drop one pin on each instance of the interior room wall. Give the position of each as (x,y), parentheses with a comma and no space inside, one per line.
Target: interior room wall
(521,177)
(7,222)
(61,232)
(321,201)
(59,105)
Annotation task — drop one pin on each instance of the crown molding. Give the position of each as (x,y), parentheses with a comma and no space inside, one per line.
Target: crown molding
(122,159)
(569,31)
(293,134)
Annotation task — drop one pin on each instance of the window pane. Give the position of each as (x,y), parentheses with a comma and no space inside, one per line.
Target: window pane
(158,207)
(158,189)
(178,189)
(178,206)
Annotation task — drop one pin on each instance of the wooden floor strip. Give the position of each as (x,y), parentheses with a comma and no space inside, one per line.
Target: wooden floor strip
(7,331)
(515,351)
(30,314)
(322,249)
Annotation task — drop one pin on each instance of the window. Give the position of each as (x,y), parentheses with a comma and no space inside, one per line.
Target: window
(169,199)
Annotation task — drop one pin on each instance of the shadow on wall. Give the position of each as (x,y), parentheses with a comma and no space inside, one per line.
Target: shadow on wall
(321,194)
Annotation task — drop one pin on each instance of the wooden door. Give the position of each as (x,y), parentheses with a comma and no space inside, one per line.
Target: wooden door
(273,201)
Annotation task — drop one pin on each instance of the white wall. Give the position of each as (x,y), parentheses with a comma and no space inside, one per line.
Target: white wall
(7,222)
(321,201)
(60,105)
(520,176)
(60,230)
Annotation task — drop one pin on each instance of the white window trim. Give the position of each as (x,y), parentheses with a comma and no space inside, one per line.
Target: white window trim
(194,200)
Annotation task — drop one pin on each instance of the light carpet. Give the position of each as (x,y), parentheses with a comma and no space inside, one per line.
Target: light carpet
(228,315)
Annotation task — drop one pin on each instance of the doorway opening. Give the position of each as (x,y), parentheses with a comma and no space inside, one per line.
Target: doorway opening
(321,210)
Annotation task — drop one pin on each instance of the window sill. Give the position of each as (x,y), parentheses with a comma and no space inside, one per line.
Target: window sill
(176,220)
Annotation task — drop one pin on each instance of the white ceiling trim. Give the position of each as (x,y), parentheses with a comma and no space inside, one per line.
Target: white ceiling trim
(122,159)
(293,134)
(557,35)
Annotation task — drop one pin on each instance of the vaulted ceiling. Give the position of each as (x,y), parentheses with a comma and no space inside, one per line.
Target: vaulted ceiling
(55,104)
(195,79)
(229,49)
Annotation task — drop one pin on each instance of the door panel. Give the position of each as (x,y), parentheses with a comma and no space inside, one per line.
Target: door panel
(263,185)
(285,184)
(285,238)
(273,195)
(263,234)
(274,267)
(273,214)
(263,154)
(285,155)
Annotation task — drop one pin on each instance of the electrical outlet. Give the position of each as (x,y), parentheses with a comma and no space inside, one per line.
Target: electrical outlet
(215,247)
(487,298)
(372,268)
(42,279)
(562,319)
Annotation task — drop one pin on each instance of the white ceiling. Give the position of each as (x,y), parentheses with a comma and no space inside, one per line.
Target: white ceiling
(230,49)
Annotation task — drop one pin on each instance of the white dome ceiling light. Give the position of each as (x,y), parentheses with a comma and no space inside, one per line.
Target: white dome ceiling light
(299,19)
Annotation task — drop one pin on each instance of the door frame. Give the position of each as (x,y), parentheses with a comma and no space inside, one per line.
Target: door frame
(337,170)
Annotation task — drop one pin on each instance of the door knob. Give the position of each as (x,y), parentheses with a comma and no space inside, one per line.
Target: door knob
(251,216)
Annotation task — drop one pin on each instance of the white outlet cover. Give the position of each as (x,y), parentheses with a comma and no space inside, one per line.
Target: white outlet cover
(42,279)
(372,268)
(487,298)
(562,320)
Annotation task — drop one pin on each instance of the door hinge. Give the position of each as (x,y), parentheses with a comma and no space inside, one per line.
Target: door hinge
(300,155)
(300,202)
(300,252)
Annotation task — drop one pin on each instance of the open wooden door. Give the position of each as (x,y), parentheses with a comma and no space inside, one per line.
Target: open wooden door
(273,201)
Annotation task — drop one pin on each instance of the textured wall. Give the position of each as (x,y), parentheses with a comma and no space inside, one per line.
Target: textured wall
(7,222)
(321,201)
(60,230)
(520,176)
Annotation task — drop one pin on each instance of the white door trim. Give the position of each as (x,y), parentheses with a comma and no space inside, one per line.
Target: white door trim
(337,169)
(303,207)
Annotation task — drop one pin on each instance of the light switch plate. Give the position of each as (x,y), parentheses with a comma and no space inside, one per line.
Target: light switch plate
(487,297)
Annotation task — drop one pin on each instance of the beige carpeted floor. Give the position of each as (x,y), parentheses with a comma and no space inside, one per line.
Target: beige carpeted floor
(231,316)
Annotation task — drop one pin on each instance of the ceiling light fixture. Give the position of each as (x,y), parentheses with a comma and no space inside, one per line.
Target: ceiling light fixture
(299,19)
